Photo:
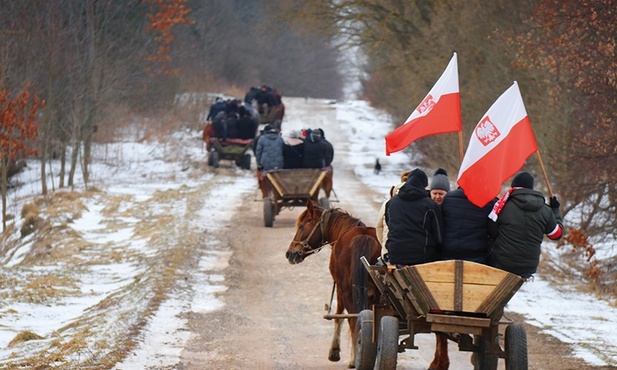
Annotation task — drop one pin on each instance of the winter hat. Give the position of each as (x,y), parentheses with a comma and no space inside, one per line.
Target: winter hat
(417,178)
(268,128)
(440,180)
(523,180)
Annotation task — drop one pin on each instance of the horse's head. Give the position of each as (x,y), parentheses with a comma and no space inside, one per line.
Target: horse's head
(309,236)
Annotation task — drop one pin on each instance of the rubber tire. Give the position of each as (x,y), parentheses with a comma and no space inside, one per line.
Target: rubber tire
(365,351)
(516,347)
(387,343)
(245,162)
(214,158)
(481,360)
(324,202)
(268,212)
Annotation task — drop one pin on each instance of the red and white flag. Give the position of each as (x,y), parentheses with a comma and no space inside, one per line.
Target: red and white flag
(498,148)
(438,113)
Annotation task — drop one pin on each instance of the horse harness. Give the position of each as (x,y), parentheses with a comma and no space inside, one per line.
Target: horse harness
(323,221)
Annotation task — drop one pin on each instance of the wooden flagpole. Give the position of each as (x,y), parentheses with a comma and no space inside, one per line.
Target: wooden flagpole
(460,144)
(548,185)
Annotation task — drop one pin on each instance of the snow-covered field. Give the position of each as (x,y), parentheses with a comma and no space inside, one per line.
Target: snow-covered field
(91,291)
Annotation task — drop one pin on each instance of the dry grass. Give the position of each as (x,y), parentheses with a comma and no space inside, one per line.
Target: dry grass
(24,336)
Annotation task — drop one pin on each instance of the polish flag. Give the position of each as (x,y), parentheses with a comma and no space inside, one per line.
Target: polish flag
(498,148)
(438,113)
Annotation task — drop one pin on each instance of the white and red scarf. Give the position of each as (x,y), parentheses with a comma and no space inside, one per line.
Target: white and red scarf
(498,206)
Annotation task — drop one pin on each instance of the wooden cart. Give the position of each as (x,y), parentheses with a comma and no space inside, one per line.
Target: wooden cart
(461,299)
(291,188)
(230,149)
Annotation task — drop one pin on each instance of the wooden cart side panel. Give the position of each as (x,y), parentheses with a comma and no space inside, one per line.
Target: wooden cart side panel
(421,297)
(296,182)
(459,286)
(501,295)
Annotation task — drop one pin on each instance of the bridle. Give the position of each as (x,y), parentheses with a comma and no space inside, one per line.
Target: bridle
(321,224)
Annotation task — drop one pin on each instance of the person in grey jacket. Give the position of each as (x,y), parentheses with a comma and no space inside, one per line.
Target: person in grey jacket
(414,223)
(518,223)
(269,152)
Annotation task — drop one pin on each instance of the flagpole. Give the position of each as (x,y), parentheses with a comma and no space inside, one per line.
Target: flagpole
(550,192)
(460,145)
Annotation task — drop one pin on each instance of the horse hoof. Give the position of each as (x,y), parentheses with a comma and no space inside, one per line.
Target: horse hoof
(334,356)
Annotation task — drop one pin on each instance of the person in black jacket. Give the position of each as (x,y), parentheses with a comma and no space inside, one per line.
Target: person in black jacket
(414,222)
(465,228)
(518,223)
(315,151)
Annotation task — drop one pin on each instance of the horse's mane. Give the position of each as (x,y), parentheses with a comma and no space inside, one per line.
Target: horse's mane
(342,218)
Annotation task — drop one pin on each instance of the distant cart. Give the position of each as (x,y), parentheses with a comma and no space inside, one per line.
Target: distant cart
(460,299)
(230,149)
(291,188)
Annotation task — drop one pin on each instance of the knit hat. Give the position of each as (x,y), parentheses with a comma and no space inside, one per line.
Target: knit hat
(268,128)
(417,178)
(440,180)
(523,180)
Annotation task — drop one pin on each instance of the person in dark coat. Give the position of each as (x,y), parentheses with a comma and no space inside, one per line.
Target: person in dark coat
(293,151)
(316,151)
(518,223)
(414,223)
(218,106)
(465,228)
(269,152)
(329,149)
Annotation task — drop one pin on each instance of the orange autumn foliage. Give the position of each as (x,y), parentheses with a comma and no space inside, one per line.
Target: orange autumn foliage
(167,14)
(18,124)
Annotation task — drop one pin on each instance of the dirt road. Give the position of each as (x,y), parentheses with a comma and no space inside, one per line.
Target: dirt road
(273,312)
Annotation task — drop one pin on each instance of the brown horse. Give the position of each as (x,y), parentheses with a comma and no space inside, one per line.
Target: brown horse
(350,239)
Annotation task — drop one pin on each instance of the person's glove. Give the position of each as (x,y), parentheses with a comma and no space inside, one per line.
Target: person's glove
(260,168)
(553,203)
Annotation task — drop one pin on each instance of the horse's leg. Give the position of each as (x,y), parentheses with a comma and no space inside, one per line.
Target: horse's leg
(335,347)
(326,184)
(352,330)
(441,360)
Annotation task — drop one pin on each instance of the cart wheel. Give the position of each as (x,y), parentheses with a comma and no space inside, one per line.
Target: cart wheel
(481,360)
(387,343)
(245,162)
(210,159)
(268,212)
(365,350)
(324,202)
(516,347)
(214,158)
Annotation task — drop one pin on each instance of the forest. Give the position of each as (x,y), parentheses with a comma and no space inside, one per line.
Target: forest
(76,72)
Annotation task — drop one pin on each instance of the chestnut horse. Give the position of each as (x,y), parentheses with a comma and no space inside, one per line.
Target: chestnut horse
(350,239)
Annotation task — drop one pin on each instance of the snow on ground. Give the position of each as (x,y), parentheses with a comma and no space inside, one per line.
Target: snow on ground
(139,171)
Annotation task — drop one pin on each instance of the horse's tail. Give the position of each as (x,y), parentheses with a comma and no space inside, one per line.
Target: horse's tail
(364,290)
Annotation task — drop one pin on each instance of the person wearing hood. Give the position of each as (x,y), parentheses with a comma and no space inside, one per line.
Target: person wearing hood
(518,223)
(380,226)
(269,152)
(414,222)
(440,185)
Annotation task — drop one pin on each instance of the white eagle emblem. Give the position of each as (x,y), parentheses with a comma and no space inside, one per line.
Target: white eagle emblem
(486,131)
(427,104)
